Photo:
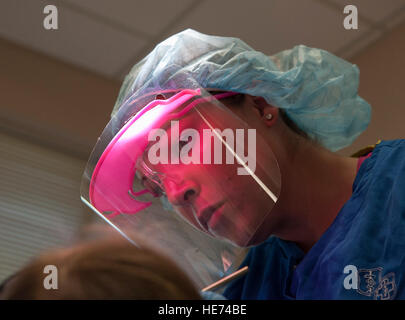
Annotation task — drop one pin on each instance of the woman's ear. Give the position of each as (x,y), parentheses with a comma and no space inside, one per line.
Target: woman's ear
(267,112)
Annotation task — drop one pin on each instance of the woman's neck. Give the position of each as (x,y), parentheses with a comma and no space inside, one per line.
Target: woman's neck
(316,184)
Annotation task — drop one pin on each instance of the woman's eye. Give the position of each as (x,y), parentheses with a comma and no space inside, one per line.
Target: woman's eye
(151,187)
(143,181)
(182,143)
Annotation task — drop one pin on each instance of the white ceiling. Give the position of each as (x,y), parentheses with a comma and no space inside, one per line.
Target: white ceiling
(109,36)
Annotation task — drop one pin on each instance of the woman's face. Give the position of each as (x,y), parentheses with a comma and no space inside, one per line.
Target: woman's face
(211,195)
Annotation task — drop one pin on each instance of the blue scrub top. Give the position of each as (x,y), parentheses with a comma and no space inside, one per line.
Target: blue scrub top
(360,256)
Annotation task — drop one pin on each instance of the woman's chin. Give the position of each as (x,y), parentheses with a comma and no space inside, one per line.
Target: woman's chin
(237,239)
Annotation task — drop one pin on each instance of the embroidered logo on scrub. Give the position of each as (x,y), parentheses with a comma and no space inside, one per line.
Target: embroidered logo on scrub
(370,282)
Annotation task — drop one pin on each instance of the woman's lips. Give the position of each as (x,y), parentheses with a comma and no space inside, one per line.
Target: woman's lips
(207,214)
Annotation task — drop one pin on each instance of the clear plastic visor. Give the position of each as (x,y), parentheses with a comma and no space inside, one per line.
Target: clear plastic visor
(184,155)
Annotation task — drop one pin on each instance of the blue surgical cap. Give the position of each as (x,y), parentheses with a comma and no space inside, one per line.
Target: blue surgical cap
(317,90)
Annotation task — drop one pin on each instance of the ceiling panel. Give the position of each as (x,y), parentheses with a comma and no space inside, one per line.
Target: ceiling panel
(108,36)
(271,26)
(375,10)
(79,40)
(396,20)
(351,49)
(148,17)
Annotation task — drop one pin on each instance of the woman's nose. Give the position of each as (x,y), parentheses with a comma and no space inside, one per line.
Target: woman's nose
(181,194)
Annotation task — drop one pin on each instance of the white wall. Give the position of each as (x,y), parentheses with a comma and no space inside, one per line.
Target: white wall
(40,206)
(382,84)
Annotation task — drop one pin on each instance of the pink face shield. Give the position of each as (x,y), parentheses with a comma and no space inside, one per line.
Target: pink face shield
(183,154)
